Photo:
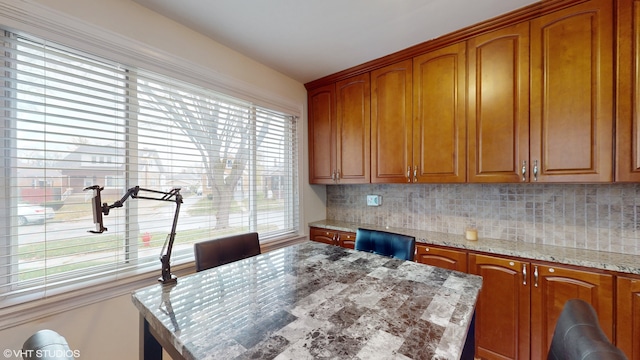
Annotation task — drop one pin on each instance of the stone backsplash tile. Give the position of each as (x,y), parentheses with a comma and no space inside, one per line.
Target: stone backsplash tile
(587,216)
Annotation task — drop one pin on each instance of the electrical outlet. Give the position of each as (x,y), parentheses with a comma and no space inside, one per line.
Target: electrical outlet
(374,200)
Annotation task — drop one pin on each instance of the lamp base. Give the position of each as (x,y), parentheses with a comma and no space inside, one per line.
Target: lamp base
(171,280)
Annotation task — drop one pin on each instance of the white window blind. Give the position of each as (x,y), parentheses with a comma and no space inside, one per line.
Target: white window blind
(72,120)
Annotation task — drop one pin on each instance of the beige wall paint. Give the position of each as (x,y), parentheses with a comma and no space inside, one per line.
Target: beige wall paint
(109,329)
(105,330)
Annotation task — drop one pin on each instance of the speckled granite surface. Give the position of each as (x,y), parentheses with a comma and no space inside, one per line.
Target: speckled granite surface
(624,263)
(314,301)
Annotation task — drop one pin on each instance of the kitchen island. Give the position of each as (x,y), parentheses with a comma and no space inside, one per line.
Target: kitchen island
(311,301)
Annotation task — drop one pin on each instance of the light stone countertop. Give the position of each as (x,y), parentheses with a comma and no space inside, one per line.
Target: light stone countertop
(623,263)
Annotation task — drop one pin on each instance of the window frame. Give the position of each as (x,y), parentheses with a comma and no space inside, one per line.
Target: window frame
(36,19)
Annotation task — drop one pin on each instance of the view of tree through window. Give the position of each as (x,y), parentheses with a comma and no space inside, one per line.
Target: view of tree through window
(73,120)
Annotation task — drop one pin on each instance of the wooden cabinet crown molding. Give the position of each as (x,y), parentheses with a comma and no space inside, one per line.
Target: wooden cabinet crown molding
(514,17)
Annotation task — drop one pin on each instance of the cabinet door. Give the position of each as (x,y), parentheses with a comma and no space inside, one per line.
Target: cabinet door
(445,258)
(322,135)
(353,130)
(391,123)
(572,94)
(628,94)
(322,235)
(628,316)
(498,112)
(552,287)
(439,127)
(502,311)
(346,239)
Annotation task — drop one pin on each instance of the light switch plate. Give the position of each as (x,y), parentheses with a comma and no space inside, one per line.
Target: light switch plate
(374,200)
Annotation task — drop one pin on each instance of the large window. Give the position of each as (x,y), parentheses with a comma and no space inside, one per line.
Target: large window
(72,120)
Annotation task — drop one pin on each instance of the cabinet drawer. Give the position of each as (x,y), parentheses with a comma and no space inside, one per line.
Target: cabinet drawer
(441,257)
(322,235)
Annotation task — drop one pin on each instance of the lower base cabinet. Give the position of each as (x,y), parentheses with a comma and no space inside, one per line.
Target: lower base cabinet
(520,303)
(503,308)
(628,316)
(521,300)
(344,239)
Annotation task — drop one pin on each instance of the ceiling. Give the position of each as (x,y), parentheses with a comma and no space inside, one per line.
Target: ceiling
(307,39)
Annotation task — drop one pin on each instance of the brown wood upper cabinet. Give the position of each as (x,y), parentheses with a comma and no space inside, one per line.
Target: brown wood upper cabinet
(418,126)
(439,125)
(339,132)
(540,97)
(498,114)
(572,87)
(354,121)
(391,123)
(322,134)
(628,94)
(557,126)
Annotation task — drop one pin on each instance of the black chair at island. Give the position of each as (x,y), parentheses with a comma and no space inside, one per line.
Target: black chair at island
(386,243)
(578,335)
(216,252)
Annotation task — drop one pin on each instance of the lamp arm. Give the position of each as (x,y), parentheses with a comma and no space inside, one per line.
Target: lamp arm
(132,192)
(165,257)
(173,196)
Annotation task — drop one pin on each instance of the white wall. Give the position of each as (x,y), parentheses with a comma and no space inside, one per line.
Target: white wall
(109,329)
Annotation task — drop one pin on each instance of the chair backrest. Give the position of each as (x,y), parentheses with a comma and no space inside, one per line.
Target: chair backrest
(216,252)
(386,243)
(578,335)
(46,345)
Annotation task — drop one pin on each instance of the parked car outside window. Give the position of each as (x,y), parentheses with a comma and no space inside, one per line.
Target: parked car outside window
(34,214)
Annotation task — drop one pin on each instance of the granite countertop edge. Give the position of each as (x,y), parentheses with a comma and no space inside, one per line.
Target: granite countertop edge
(603,260)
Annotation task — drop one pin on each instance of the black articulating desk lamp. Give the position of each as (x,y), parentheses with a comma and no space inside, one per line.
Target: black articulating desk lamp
(173,195)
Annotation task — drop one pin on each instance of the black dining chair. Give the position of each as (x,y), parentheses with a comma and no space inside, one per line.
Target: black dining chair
(46,345)
(578,335)
(216,252)
(386,243)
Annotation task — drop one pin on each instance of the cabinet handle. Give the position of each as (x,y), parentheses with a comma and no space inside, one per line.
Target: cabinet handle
(335,239)
(524,274)
(535,276)
(535,170)
(415,174)
(409,174)
(524,170)
(337,175)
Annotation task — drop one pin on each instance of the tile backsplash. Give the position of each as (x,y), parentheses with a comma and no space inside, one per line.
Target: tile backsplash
(598,217)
